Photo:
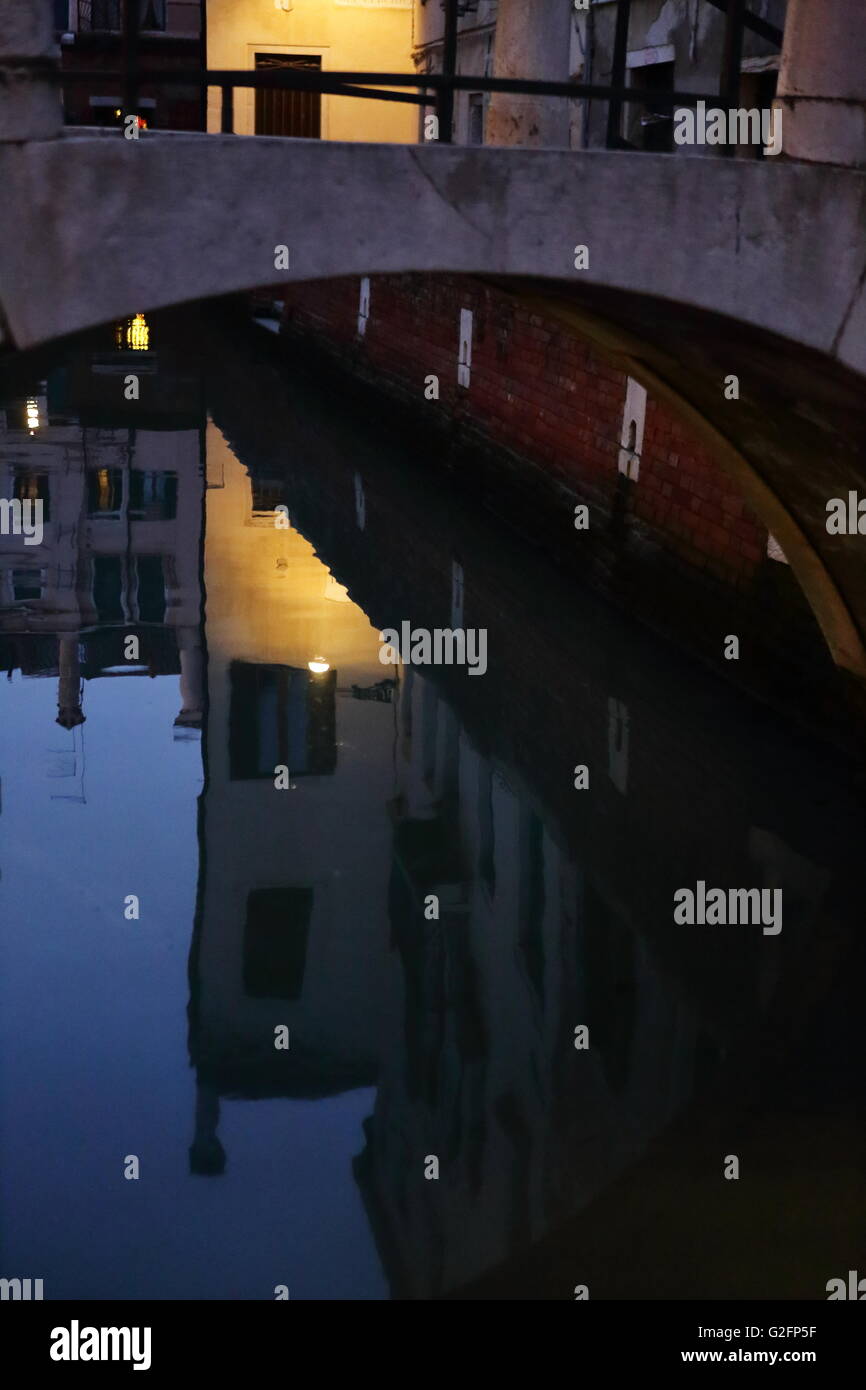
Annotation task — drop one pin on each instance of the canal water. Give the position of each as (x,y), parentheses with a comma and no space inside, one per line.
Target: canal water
(322,978)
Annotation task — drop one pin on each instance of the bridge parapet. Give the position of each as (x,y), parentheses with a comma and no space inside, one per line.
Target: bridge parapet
(30,106)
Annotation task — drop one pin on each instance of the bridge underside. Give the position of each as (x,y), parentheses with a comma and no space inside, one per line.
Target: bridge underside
(794,439)
(697,269)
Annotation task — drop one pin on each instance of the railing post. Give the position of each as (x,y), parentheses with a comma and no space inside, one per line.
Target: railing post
(30,102)
(204,62)
(732,60)
(130,57)
(227,118)
(449,67)
(617,76)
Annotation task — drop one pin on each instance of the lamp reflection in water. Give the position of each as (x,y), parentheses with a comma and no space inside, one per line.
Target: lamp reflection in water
(133,335)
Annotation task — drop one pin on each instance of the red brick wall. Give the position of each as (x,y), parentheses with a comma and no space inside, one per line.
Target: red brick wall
(691,504)
(542,393)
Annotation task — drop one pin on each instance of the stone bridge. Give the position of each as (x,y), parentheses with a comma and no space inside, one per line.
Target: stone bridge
(695,269)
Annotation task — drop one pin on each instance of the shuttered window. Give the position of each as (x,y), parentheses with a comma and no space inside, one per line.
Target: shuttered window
(286,112)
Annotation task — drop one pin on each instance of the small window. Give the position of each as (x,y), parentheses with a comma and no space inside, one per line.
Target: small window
(280,715)
(107,15)
(464,357)
(632,429)
(33,487)
(27,584)
(108,588)
(268,494)
(475,133)
(152,496)
(104,492)
(99,14)
(275,942)
(153,14)
(150,589)
(363,305)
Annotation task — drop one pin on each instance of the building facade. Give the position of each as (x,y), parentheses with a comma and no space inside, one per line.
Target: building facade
(312,36)
(674,45)
(90,33)
(119,484)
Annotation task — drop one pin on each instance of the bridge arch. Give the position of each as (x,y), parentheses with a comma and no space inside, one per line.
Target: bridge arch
(696,268)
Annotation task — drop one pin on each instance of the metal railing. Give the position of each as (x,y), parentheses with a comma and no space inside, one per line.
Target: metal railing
(434,89)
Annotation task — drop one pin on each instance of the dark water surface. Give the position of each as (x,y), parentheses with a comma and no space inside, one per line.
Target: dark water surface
(304,908)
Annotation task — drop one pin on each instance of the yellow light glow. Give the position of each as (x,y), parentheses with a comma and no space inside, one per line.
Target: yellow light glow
(138,334)
(319,665)
(32,410)
(117,110)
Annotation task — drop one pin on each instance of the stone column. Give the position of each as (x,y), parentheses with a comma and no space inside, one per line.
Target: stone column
(533,40)
(207,1157)
(191,679)
(69,711)
(822,82)
(30,103)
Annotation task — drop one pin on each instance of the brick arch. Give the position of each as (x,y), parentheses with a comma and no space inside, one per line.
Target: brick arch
(827,591)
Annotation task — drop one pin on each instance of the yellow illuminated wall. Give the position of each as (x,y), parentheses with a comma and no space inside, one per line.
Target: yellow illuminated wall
(349,35)
(271,600)
(269,597)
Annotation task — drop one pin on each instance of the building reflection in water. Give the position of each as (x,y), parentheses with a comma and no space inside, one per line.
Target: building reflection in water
(121,485)
(291,930)
(313,907)
(313,915)
(481,1069)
